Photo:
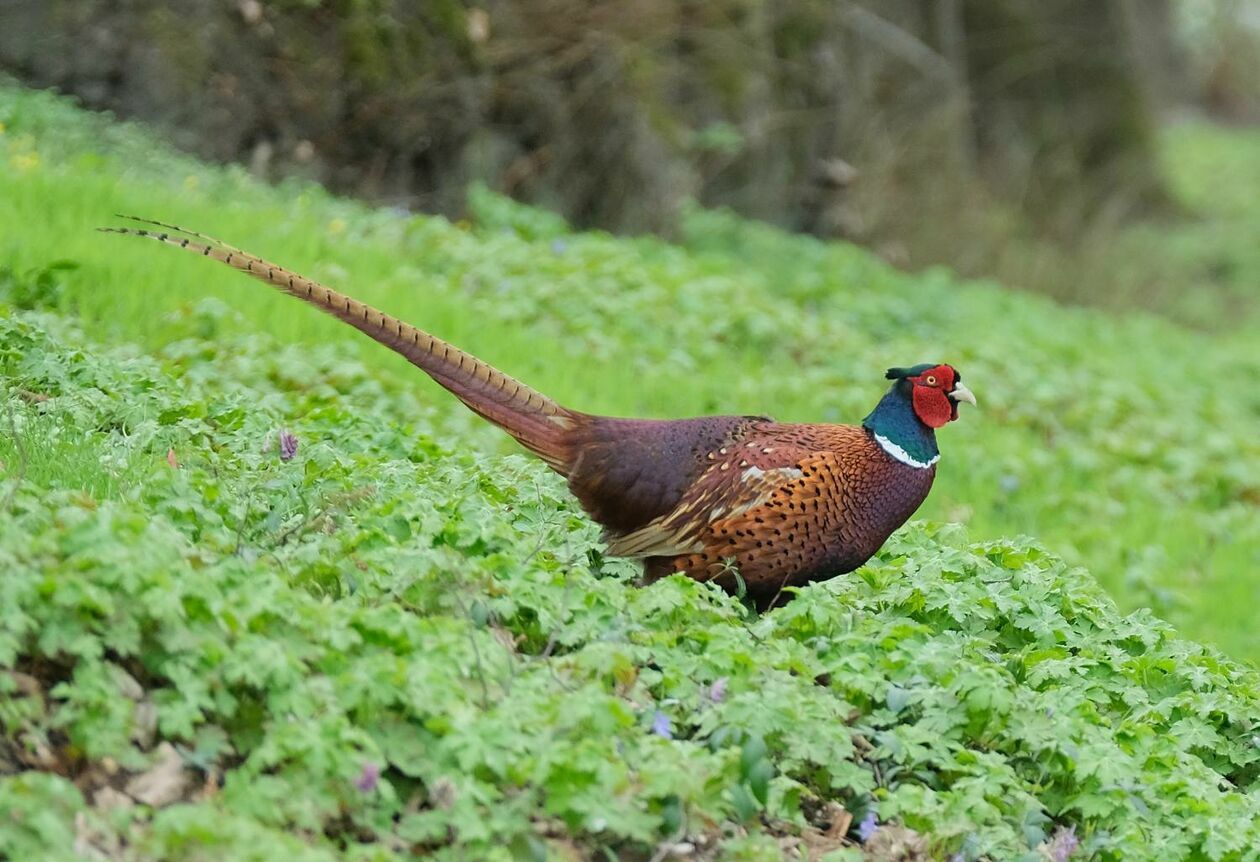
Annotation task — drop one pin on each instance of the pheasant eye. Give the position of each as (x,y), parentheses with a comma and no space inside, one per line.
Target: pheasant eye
(930,380)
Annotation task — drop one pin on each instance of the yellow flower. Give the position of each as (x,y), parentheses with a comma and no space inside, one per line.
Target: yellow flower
(25,162)
(337,226)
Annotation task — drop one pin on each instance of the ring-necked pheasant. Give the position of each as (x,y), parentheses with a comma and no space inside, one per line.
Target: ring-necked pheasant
(779,504)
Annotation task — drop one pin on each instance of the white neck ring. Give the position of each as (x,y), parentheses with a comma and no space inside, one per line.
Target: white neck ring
(902,455)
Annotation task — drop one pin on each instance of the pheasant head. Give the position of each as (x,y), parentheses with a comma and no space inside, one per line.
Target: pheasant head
(922,399)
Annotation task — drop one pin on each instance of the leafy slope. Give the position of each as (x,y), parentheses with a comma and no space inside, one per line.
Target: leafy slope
(1125,443)
(383,647)
(389,645)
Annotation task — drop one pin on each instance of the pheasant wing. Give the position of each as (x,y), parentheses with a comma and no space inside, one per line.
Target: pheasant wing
(737,481)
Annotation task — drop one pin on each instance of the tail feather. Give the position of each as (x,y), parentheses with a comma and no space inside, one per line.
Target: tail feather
(536,421)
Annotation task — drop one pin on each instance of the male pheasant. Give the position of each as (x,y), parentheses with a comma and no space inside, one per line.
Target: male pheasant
(724,498)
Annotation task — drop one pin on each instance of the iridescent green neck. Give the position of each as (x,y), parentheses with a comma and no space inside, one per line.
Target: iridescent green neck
(899,431)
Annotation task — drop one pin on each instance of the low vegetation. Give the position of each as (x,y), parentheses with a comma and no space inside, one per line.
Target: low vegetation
(267,595)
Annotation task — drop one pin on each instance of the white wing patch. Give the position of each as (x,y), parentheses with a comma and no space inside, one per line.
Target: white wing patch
(763,484)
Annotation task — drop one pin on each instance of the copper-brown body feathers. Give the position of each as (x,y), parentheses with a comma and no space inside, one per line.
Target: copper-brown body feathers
(724,498)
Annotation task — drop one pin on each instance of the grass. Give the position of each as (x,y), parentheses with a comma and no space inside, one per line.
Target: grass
(1125,442)
(390,646)
(46,453)
(404,642)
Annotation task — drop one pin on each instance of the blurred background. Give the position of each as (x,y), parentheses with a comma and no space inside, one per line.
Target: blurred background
(1061,196)
(1009,138)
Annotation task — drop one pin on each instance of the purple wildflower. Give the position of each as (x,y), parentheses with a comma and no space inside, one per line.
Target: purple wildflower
(661,726)
(288,446)
(1063,843)
(368,778)
(717,691)
(868,826)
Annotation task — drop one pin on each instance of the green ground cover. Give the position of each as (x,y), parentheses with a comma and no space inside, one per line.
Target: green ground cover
(402,596)
(1126,443)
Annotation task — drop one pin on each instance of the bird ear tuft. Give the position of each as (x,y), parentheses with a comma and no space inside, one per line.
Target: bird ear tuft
(897,373)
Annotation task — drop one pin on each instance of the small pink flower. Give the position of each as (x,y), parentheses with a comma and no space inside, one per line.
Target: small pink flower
(717,691)
(368,778)
(288,446)
(1063,843)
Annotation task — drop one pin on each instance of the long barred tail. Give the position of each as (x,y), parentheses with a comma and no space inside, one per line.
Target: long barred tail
(540,424)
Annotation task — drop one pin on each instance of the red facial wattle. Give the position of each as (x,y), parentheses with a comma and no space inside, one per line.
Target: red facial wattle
(930,396)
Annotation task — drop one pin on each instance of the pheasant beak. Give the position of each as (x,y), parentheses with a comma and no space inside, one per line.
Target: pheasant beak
(962,393)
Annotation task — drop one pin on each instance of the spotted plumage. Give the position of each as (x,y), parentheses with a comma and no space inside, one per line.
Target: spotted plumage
(815,500)
(739,500)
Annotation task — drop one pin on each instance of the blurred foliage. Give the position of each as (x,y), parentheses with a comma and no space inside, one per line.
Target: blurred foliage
(1223,46)
(856,119)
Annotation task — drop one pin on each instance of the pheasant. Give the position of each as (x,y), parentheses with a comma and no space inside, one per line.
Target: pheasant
(738,500)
